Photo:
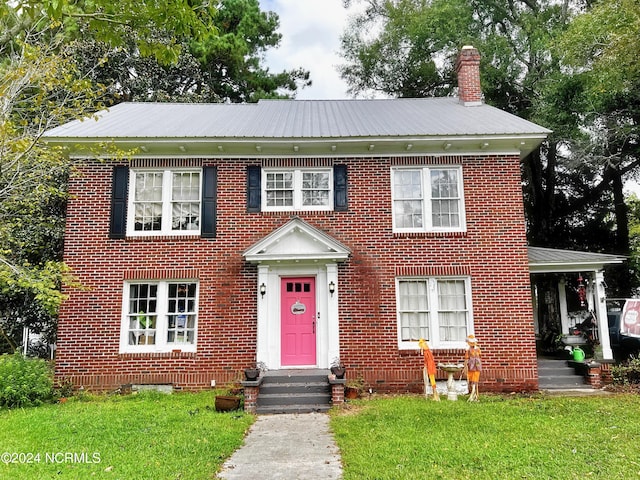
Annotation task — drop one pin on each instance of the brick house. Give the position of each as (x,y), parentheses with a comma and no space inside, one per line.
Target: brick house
(295,232)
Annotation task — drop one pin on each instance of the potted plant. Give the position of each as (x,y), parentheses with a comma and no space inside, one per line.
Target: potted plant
(338,368)
(252,373)
(353,388)
(229,399)
(227,403)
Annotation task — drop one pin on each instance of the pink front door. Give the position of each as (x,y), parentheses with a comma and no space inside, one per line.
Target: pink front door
(298,329)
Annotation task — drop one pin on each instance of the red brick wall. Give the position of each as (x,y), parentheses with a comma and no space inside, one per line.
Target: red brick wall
(468,70)
(492,251)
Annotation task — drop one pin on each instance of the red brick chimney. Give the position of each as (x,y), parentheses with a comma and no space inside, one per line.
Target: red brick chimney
(468,70)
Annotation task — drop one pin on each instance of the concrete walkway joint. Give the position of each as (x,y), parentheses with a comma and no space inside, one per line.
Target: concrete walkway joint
(288,447)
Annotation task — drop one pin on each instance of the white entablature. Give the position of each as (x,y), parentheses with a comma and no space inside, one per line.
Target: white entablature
(297,241)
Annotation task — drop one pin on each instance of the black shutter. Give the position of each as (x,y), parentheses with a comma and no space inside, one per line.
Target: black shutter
(340,188)
(209,201)
(119,190)
(254,188)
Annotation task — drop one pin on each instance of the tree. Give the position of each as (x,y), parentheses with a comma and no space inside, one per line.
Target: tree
(402,59)
(599,50)
(415,43)
(633,203)
(158,24)
(222,67)
(231,61)
(571,183)
(38,90)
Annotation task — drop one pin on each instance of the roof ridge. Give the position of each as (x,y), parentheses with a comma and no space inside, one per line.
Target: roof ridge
(347,100)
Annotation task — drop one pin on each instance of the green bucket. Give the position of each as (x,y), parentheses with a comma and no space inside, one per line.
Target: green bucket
(578,354)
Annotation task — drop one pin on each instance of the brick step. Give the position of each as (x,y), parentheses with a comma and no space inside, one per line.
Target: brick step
(566,372)
(277,409)
(557,374)
(294,391)
(290,388)
(293,398)
(564,386)
(557,365)
(296,376)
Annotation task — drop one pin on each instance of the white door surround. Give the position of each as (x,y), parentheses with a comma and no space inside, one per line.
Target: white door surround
(297,249)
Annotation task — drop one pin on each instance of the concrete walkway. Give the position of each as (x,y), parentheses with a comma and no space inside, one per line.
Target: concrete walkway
(287,447)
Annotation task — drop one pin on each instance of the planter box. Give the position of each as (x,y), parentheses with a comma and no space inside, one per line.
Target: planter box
(251,374)
(227,403)
(351,393)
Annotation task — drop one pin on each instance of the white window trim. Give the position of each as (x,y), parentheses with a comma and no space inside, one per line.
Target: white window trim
(434,341)
(162,321)
(297,190)
(427,200)
(166,203)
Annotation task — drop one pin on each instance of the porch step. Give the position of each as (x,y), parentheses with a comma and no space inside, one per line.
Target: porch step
(294,391)
(556,374)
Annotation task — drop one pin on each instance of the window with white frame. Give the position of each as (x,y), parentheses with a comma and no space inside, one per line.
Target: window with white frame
(159,316)
(297,189)
(436,309)
(164,202)
(427,199)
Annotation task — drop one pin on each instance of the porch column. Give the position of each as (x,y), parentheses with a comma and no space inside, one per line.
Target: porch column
(262,348)
(592,291)
(333,321)
(562,298)
(603,322)
(534,302)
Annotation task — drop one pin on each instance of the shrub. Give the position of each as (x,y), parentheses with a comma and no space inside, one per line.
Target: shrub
(24,382)
(627,373)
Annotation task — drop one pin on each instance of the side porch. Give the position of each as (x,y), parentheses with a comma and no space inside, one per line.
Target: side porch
(570,314)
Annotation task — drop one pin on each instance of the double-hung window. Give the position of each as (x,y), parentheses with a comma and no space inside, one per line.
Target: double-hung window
(164,202)
(297,189)
(427,199)
(437,309)
(159,316)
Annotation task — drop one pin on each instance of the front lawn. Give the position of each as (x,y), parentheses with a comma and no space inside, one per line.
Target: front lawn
(146,436)
(498,438)
(180,436)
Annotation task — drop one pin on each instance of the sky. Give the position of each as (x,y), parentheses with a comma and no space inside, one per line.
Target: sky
(311,31)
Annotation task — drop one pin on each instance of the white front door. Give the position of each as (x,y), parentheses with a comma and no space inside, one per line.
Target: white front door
(297,328)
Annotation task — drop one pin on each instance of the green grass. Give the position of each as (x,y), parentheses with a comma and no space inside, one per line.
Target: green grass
(180,436)
(146,436)
(498,438)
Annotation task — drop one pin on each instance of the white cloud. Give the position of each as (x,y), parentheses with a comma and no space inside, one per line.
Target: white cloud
(311,31)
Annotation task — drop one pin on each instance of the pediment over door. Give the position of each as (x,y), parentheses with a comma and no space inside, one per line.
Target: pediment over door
(297,241)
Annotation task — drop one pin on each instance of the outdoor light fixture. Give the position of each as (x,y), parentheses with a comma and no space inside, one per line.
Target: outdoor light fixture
(332,287)
(263,289)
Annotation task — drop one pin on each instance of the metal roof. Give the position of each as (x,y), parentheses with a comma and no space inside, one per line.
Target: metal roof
(549,260)
(272,128)
(304,119)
